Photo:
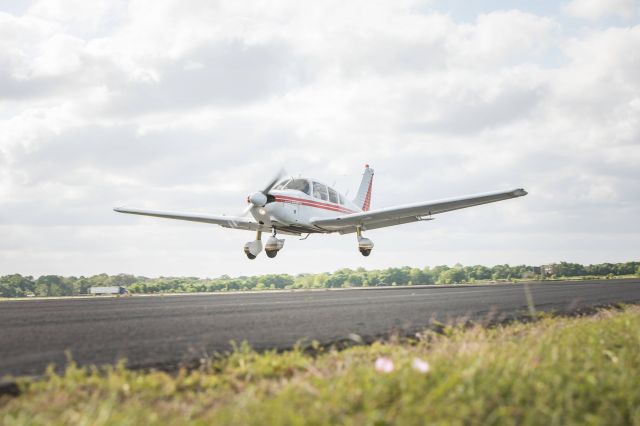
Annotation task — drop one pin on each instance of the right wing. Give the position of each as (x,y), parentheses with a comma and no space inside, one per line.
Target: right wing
(234,222)
(397,215)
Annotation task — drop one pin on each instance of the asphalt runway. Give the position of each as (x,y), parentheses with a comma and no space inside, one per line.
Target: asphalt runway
(165,331)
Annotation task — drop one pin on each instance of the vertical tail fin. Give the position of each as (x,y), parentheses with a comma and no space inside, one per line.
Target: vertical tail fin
(363,198)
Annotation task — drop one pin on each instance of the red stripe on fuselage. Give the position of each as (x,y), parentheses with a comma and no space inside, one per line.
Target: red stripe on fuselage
(316,204)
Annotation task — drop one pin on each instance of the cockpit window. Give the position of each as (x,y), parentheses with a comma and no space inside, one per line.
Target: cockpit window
(282,184)
(333,196)
(299,185)
(320,191)
(341,199)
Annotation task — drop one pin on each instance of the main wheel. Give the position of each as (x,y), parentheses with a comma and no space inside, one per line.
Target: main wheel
(250,256)
(365,252)
(271,253)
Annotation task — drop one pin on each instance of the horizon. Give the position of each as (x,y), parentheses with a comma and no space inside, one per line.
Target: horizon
(453,266)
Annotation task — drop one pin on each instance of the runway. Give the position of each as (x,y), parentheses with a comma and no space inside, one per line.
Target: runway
(165,331)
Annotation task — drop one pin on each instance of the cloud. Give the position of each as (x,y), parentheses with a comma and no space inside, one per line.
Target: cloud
(179,106)
(597,9)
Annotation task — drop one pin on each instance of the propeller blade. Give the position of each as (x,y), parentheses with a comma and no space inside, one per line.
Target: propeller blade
(273,181)
(246,210)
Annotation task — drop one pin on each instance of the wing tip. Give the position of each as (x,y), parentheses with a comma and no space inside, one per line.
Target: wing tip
(520,192)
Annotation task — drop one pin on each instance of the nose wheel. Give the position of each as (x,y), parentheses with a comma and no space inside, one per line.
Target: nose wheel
(274,245)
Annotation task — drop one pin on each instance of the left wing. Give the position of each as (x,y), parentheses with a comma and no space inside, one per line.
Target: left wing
(407,213)
(224,221)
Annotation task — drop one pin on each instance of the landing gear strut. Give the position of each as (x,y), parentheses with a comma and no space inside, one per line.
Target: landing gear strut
(274,245)
(365,245)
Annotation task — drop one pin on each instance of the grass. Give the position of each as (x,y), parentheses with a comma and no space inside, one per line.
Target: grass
(555,371)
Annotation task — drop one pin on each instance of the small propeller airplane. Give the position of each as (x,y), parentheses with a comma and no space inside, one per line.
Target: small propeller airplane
(297,206)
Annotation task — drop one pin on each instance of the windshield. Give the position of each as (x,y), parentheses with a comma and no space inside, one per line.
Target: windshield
(299,185)
(282,184)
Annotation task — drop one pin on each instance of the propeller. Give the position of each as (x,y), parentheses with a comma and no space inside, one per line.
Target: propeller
(260,198)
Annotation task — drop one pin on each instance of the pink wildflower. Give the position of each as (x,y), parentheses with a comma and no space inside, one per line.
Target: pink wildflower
(420,365)
(384,365)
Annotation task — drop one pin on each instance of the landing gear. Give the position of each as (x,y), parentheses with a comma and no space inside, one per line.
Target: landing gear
(274,245)
(253,248)
(365,245)
(271,253)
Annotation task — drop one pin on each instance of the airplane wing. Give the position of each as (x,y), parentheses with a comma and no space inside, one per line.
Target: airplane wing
(224,221)
(407,213)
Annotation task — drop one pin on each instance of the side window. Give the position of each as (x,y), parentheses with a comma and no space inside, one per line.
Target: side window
(320,191)
(333,196)
(299,185)
(341,199)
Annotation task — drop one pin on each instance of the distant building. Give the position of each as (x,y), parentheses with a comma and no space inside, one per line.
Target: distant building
(108,290)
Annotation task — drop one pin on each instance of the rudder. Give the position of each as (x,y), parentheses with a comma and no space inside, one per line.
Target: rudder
(363,197)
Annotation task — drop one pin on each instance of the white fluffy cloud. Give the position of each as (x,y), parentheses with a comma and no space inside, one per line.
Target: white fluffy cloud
(178,105)
(598,9)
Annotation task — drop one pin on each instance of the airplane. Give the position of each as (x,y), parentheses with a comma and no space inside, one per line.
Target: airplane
(296,206)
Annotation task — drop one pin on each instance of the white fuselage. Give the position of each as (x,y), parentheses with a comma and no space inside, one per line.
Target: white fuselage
(295,208)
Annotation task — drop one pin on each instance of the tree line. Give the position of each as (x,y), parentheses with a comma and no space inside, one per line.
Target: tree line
(17,285)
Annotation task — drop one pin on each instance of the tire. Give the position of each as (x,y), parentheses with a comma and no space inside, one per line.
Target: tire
(365,252)
(250,256)
(271,253)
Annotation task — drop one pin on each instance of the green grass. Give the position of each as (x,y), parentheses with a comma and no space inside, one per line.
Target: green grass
(555,371)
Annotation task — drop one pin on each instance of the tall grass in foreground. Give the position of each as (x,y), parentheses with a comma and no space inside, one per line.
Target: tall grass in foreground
(555,371)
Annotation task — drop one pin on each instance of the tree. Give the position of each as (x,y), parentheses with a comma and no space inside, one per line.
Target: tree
(353,280)
(53,285)
(336,280)
(480,272)
(451,276)
(16,285)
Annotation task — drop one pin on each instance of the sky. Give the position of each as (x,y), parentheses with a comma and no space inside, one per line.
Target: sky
(193,105)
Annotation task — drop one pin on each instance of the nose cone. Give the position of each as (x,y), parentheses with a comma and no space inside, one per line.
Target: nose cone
(258,199)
